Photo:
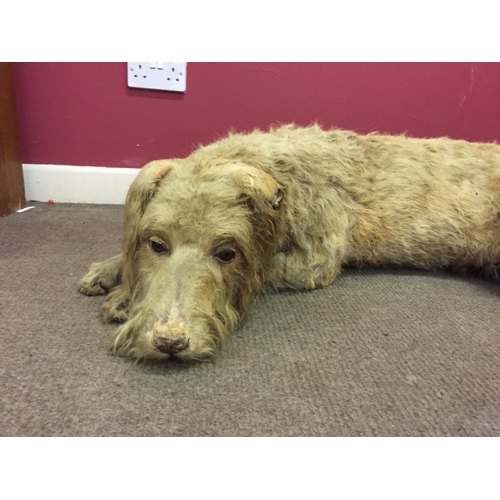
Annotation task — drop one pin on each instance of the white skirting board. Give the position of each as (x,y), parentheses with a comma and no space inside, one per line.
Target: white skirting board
(70,184)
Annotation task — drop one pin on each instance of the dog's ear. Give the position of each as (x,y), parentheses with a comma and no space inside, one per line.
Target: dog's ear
(264,196)
(258,184)
(139,195)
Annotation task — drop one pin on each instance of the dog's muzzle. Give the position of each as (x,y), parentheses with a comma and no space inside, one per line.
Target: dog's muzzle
(169,334)
(170,346)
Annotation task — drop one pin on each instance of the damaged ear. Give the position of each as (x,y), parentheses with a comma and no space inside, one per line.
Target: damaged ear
(276,199)
(257,184)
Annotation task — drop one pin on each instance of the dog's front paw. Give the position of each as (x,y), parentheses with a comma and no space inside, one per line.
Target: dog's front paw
(102,277)
(91,284)
(116,306)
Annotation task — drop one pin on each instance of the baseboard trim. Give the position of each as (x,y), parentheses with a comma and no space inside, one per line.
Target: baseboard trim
(70,184)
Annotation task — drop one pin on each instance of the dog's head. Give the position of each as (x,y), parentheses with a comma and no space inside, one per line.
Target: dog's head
(196,241)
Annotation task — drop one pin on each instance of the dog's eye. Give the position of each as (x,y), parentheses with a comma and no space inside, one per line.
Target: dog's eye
(225,256)
(158,246)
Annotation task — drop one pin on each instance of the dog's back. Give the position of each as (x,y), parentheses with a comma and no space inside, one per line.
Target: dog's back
(380,199)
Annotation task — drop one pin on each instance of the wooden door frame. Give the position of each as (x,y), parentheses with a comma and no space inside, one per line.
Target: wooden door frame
(12,195)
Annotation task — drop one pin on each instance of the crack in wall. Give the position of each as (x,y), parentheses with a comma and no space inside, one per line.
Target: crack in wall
(467,97)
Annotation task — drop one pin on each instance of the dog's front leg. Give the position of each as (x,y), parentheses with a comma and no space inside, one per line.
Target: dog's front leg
(102,277)
(304,270)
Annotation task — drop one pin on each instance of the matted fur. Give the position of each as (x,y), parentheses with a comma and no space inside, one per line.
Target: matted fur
(292,206)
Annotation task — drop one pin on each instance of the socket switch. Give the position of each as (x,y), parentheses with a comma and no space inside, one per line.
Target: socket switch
(157,75)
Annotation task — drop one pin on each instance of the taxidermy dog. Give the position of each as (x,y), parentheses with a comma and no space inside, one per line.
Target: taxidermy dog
(289,207)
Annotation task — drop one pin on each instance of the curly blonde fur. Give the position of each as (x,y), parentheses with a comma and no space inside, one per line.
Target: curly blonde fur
(288,207)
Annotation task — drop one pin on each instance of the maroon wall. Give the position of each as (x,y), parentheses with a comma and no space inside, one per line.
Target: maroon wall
(84,113)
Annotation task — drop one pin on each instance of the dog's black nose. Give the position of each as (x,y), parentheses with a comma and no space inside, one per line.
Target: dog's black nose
(171,346)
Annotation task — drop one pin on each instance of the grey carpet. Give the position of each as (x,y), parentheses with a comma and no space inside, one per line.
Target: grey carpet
(380,353)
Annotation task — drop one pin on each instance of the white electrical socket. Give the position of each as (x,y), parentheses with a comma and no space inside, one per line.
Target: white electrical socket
(157,75)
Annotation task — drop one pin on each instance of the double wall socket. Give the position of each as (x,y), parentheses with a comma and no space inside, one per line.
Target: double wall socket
(157,75)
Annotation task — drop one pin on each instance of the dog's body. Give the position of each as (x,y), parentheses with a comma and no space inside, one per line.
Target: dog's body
(289,207)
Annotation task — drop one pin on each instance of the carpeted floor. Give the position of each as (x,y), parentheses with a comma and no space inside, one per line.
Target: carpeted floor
(380,353)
